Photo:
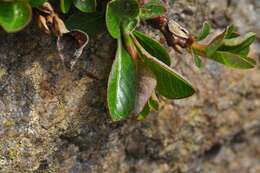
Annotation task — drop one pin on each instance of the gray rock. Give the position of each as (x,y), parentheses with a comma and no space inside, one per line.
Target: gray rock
(55,120)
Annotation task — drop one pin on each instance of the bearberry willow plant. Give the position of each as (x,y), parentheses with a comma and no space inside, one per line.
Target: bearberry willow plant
(141,70)
(141,67)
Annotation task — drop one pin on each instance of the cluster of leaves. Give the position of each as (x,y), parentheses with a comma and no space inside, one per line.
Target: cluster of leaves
(228,47)
(141,66)
(141,70)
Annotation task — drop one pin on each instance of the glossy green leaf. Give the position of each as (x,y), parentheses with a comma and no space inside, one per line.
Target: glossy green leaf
(14,16)
(36,3)
(169,83)
(91,23)
(241,41)
(65,5)
(153,47)
(233,60)
(205,31)
(120,12)
(238,45)
(214,45)
(121,85)
(217,42)
(113,22)
(87,6)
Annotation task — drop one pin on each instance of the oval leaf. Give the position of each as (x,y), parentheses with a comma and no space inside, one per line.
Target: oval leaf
(86,6)
(241,41)
(119,11)
(169,83)
(65,5)
(91,23)
(217,42)
(233,60)
(205,31)
(112,21)
(121,85)
(153,47)
(14,16)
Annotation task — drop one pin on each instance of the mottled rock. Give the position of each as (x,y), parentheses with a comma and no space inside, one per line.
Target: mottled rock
(55,120)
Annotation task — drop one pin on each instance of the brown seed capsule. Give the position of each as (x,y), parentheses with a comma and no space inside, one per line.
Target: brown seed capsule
(70,44)
(59,27)
(46,8)
(158,22)
(42,23)
(181,36)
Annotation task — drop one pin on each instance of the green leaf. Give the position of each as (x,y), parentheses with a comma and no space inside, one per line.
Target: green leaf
(14,16)
(240,42)
(205,31)
(214,45)
(36,3)
(120,12)
(198,61)
(152,10)
(238,45)
(153,47)
(169,83)
(87,6)
(233,60)
(230,49)
(113,22)
(230,32)
(121,85)
(145,112)
(197,58)
(65,5)
(151,105)
(242,52)
(129,25)
(91,23)
(217,42)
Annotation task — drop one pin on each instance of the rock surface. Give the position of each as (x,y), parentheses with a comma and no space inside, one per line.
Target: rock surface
(55,120)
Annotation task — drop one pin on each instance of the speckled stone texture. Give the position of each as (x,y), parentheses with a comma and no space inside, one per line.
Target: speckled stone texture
(55,120)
